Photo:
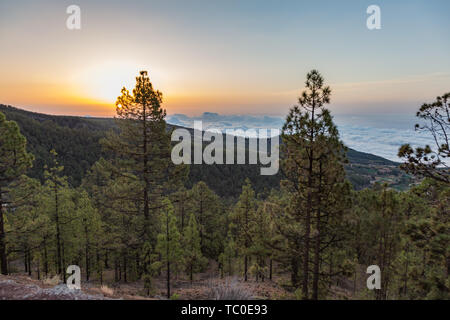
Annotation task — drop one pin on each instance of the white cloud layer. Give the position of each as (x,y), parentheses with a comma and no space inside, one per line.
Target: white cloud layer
(381,135)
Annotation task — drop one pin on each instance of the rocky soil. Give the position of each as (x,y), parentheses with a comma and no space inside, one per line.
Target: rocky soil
(23,288)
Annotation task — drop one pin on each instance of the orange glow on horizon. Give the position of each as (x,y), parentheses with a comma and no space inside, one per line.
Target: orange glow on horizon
(93,91)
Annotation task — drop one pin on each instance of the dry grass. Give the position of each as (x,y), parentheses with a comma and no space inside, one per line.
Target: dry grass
(107,291)
(52,281)
(228,290)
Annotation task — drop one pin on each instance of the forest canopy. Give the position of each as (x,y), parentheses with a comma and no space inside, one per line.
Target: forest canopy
(104,195)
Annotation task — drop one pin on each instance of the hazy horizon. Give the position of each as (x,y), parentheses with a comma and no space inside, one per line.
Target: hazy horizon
(375,134)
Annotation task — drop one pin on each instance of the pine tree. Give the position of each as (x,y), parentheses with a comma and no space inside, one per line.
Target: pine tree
(260,231)
(428,161)
(26,220)
(147,260)
(57,186)
(90,228)
(142,149)
(208,211)
(228,256)
(312,165)
(169,242)
(286,242)
(142,169)
(193,258)
(14,161)
(181,200)
(120,225)
(243,217)
(429,236)
(377,225)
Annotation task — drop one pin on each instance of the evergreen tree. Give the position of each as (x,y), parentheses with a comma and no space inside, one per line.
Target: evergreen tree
(142,149)
(312,165)
(208,211)
(427,161)
(14,161)
(429,236)
(26,221)
(147,260)
(91,228)
(193,258)
(142,167)
(57,188)
(169,243)
(181,200)
(261,234)
(228,256)
(244,218)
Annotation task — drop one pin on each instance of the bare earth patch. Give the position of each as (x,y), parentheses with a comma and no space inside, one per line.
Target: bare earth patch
(24,288)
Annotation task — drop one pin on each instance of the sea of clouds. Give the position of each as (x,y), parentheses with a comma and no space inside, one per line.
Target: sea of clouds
(381,135)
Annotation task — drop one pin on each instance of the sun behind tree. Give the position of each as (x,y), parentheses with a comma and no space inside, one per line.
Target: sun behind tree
(141,157)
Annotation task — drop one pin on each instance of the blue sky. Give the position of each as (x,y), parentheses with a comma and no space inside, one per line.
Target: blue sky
(244,60)
(246,57)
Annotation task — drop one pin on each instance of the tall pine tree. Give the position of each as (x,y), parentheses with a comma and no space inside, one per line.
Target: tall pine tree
(14,161)
(312,166)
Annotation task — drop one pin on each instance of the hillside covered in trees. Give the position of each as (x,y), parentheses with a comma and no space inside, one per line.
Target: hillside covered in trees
(105,195)
(77,142)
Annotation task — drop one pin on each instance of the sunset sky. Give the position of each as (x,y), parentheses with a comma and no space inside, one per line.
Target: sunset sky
(229,57)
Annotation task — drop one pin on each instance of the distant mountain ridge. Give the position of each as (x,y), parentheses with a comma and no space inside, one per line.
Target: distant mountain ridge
(76,139)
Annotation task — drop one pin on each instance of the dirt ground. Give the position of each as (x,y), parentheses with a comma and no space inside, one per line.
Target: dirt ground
(20,286)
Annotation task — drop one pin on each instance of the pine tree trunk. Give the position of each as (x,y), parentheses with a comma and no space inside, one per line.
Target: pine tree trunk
(116,272)
(315,294)
(307,235)
(294,272)
(405,276)
(308,215)
(145,173)
(182,216)
(263,276)
(63,261)
(201,222)
(124,268)
(245,267)
(3,258)
(58,234)
(168,279)
(331,269)
(270,270)
(86,232)
(99,267)
(45,257)
(29,263)
(38,270)
(138,266)
(167,255)
(25,260)
(106,260)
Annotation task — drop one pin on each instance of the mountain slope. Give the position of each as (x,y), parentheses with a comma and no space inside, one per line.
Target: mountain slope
(76,139)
